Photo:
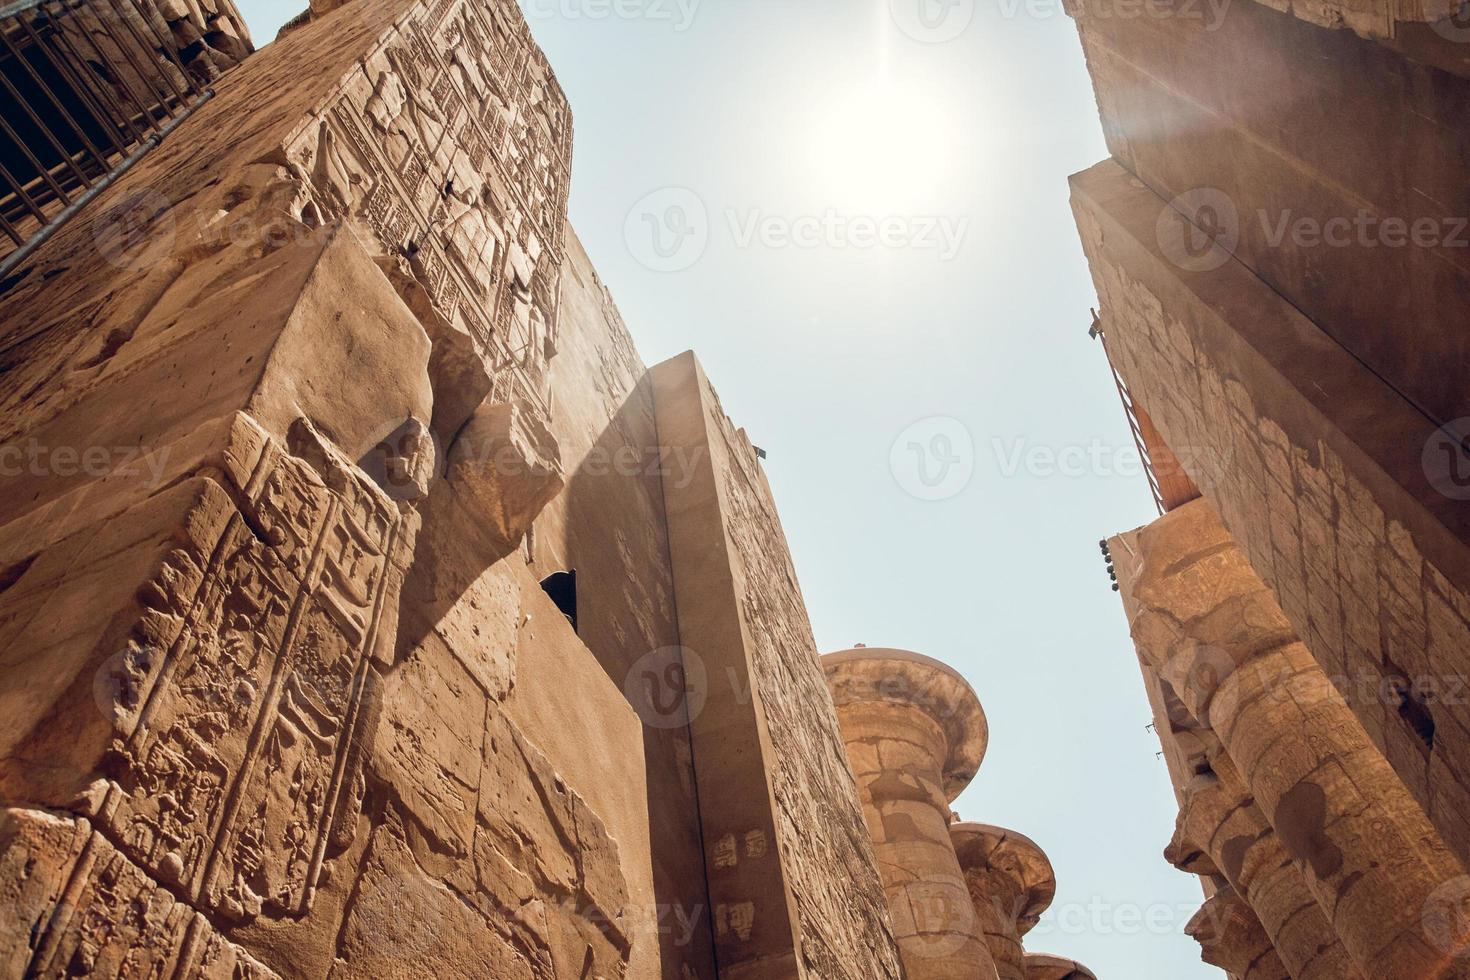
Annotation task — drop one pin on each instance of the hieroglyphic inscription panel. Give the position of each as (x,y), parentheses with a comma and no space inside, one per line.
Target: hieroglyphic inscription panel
(99,915)
(452,141)
(241,754)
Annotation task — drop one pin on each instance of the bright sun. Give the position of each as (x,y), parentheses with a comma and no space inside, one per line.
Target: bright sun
(882,146)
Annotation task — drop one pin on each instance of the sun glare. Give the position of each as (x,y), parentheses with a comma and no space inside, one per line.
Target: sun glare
(882,145)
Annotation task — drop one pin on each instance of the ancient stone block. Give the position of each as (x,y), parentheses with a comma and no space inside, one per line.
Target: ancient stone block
(807,901)
(76,906)
(504,467)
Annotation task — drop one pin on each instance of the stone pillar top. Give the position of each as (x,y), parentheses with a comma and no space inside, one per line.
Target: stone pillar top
(1015,855)
(1045,966)
(905,678)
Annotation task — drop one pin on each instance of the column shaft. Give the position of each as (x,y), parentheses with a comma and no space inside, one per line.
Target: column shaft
(896,754)
(1232,831)
(1367,852)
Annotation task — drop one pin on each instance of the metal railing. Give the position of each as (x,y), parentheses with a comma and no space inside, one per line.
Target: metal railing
(1130,412)
(86,88)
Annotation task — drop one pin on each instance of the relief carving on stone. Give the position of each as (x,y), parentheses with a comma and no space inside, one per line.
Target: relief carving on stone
(845,931)
(227,780)
(452,141)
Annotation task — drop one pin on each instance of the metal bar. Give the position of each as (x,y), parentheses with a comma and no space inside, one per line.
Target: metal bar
(66,214)
(26,105)
(21,195)
(161,95)
(45,173)
(82,87)
(1155,489)
(9,229)
(20,56)
(166,44)
(142,104)
(99,89)
(1135,427)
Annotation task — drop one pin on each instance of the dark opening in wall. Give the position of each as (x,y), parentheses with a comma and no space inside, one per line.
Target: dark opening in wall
(1413,707)
(562,589)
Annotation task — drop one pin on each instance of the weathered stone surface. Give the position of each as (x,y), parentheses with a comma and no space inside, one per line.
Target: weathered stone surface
(791,877)
(76,906)
(1367,852)
(609,525)
(505,467)
(915,735)
(1011,883)
(285,696)
(1316,467)
(1221,831)
(1044,966)
(1232,938)
(203,650)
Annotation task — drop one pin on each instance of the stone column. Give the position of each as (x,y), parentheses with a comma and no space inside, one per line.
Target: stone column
(1011,883)
(1222,831)
(1367,852)
(1045,966)
(1231,937)
(915,734)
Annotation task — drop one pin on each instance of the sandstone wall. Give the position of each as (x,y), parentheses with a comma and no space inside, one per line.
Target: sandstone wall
(295,423)
(792,877)
(609,526)
(1316,469)
(1314,154)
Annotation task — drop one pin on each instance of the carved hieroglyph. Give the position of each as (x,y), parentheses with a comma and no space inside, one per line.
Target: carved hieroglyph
(453,142)
(98,914)
(791,873)
(229,749)
(241,709)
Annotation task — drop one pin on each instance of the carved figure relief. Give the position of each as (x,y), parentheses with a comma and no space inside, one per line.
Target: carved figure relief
(227,785)
(452,142)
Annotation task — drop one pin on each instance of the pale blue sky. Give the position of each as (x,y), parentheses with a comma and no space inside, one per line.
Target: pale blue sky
(799,120)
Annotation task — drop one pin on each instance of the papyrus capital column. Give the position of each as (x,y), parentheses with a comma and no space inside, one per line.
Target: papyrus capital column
(1011,882)
(1221,830)
(1045,966)
(1368,854)
(915,735)
(1232,938)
